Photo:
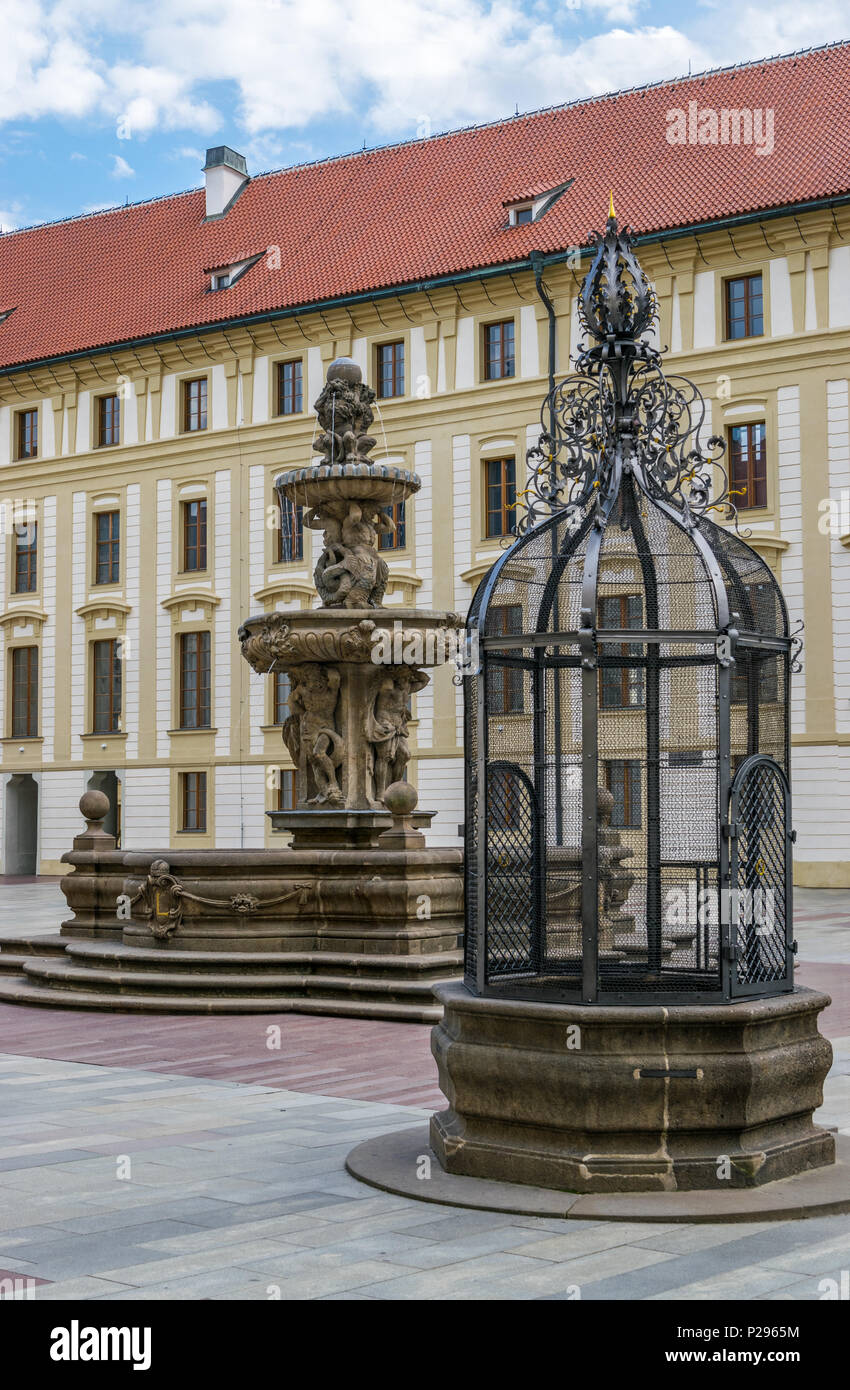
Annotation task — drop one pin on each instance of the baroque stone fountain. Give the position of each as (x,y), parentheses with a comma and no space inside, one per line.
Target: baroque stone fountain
(353,665)
(358,916)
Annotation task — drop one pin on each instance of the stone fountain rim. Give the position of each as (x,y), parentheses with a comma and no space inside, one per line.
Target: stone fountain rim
(322,472)
(352,617)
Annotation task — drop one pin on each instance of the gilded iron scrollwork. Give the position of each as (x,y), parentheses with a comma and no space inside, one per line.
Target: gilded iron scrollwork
(619,411)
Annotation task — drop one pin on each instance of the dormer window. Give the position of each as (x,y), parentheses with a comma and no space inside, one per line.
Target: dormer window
(533,203)
(223,276)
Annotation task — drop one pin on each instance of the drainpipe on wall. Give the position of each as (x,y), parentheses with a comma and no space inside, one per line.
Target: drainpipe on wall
(536,259)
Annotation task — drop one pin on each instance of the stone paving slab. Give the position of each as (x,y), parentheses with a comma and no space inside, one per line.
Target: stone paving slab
(196,1228)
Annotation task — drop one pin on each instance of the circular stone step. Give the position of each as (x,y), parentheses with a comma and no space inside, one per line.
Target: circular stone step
(395,1163)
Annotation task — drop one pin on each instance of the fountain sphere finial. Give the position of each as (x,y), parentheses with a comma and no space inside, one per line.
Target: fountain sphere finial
(401,799)
(344,369)
(94,805)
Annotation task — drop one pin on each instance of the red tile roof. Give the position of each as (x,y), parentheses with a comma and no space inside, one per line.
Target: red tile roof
(429,208)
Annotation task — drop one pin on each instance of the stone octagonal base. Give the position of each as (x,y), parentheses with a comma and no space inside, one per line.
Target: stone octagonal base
(631,1099)
(403,1163)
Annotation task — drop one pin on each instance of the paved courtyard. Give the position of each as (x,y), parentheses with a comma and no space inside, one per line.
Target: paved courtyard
(191,1158)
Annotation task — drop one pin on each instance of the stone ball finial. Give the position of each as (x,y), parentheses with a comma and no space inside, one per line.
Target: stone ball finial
(344,369)
(401,798)
(94,806)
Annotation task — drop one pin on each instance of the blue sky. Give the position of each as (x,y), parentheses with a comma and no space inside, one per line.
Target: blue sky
(102,102)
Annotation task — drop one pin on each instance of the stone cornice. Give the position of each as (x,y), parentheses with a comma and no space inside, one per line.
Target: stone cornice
(767,540)
(191,598)
(284,589)
(405,582)
(482,565)
(25,614)
(476,572)
(102,605)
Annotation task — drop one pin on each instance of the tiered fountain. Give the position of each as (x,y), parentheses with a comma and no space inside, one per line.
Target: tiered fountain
(351,685)
(358,916)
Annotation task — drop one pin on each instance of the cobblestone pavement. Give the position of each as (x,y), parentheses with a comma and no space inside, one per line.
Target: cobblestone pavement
(121,1179)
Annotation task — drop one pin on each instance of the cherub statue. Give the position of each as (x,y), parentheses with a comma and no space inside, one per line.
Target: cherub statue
(345,414)
(359,578)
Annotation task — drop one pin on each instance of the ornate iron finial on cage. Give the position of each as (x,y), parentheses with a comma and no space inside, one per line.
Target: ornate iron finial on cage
(619,412)
(617,303)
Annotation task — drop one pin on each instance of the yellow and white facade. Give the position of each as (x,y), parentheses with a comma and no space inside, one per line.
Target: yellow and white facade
(795,378)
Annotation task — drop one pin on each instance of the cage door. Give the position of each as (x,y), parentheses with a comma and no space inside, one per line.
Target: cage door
(759,908)
(513,875)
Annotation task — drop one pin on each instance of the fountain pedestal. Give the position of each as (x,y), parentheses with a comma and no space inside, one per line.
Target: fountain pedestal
(350,695)
(359,916)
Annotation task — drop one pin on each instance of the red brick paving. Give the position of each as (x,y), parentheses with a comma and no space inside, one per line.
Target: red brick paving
(19,1274)
(352,1058)
(355,1058)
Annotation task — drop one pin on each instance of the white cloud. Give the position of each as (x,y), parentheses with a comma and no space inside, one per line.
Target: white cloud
(759,30)
(44,73)
(121,169)
(379,65)
(613,11)
(150,98)
(9,218)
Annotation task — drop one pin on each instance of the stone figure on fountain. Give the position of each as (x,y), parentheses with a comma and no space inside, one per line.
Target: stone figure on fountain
(387,724)
(314,744)
(350,572)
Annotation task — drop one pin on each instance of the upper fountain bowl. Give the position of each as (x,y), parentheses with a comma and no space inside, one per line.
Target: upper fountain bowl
(345,472)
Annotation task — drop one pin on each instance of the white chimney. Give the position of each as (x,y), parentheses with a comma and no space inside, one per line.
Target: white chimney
(225,175)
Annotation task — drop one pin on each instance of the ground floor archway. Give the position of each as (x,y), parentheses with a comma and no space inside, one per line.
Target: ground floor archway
(21,825)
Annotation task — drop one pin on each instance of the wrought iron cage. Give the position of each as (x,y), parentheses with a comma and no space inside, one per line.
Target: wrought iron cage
(627,799)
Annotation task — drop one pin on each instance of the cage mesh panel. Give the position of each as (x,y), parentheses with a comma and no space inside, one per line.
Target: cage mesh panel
(512,919)
(544,573)
(652,544)
(657,713)
(663,933)
(760,904)
(512,854)
(751,587)
(759,709)
(773,707)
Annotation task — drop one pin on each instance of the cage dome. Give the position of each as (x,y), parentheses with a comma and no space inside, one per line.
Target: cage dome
(627,799)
